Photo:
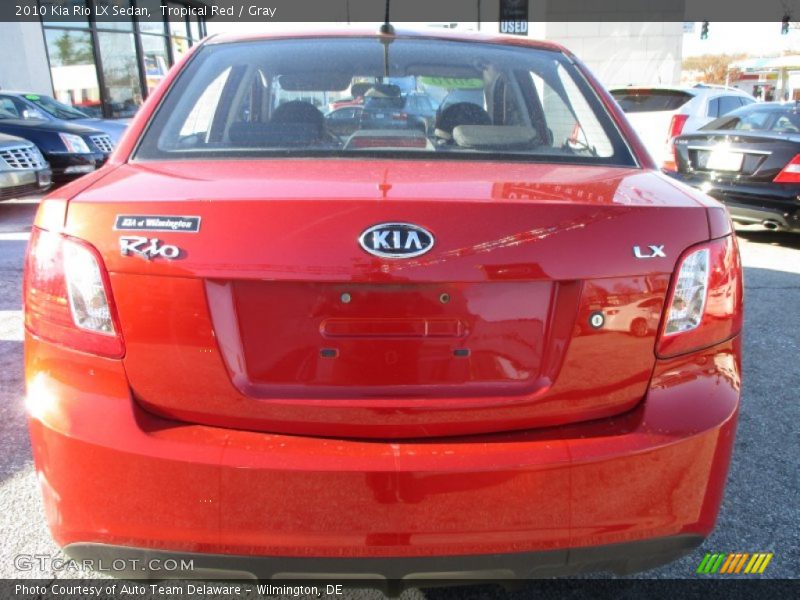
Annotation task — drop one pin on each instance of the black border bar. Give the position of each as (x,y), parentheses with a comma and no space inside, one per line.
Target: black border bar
(435,11)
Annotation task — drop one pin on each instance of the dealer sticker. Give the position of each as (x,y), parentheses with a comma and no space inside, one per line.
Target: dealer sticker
(157,223)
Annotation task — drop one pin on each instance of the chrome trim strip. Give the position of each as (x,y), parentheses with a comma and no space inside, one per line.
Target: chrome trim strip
(740,151)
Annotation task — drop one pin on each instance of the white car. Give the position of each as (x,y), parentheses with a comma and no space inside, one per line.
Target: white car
(658,114)
(637,318)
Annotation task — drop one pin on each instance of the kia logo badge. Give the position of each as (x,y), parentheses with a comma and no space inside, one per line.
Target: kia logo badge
(396,240)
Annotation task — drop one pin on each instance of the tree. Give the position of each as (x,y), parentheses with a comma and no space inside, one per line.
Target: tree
(72,51)
(713,68)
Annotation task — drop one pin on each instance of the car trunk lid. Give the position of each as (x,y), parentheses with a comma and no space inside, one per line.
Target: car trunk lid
(271,316)
(736,155)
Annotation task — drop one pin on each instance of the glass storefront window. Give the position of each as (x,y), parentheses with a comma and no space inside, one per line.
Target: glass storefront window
(155,24)
(123,24)
(74,21)
(180,46)
(194,28)
(178,35)
(156,59)
(177,28)
(123,94)
(73,69)
(75,72)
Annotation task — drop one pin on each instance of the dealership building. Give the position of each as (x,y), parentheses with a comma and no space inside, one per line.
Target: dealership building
(107,68)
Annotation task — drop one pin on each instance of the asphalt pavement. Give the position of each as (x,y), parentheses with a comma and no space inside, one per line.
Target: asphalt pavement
(760,512)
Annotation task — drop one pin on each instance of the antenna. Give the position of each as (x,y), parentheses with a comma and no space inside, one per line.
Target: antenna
(387,28)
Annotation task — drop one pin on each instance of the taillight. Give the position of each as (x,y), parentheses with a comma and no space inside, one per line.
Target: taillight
(400,116)
(671,158)
(676,126)
(790,173)
(67,295)
(704,305)
(387,142)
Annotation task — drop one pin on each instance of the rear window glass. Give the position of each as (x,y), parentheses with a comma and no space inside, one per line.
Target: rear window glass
(648,100)
(760,119)
(272,97)
(728,104)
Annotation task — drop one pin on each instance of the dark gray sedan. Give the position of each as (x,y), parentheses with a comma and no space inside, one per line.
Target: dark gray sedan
(38,106)
(23,169)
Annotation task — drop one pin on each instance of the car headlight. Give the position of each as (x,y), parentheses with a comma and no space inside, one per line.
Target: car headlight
(74,143)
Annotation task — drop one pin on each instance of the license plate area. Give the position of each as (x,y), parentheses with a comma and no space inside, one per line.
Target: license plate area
(44,178)
(724,160)
(328,340)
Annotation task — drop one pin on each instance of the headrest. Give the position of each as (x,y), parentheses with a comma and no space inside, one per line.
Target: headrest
(494,136)
(460,113)
(297,111)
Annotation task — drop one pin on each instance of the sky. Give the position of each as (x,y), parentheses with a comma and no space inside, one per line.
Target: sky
(755,39)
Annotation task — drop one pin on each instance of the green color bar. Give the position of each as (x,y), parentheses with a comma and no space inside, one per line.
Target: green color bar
(703,568)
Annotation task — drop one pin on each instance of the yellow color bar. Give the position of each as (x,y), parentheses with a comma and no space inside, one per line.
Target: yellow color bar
(765,563)
(751,564)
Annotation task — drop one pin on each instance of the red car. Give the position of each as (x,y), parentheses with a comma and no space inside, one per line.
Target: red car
(264,349)
(344,102)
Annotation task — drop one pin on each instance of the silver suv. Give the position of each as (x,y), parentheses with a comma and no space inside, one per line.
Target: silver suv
(658,114)
(23,169)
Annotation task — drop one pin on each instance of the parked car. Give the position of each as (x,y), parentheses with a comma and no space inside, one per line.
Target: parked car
(37,106)
(71,150)
(254,344)
(658,114)
(420,106)
(750,160)
(637,318)
(356,98)
(23,169)
(386,107)
(345,102)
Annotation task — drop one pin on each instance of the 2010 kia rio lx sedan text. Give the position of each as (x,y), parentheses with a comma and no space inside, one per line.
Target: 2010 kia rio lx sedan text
(504,345)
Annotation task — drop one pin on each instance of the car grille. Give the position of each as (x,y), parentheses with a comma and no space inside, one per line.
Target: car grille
(18,191)
(22,157)
(103,142)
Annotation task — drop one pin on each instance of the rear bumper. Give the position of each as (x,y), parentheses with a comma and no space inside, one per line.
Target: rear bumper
(387,573)
(115,475)
(71,166)
(19,183)
(754,202)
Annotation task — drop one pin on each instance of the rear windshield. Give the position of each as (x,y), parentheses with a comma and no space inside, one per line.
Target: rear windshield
(781,120)
(56,108)
(272,97)
(648,100)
